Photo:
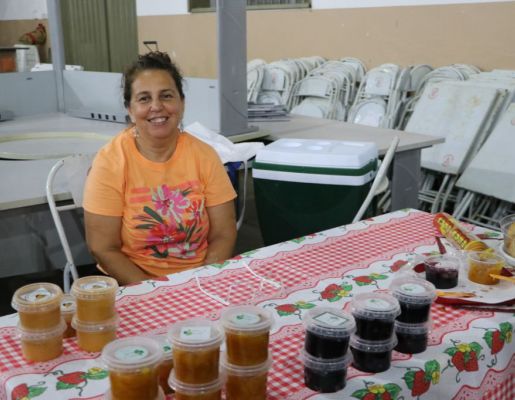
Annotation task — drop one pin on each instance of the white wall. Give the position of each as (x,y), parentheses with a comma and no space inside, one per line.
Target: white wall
(323,4)
(161,7)
(22,9)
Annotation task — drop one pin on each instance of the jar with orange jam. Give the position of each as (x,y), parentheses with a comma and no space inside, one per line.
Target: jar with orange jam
(67,312)
(166,366)
(206,391)
(248,382)
(93,337)
(196,350)
(247,330)
(133,368)
(95,298)
(40,345)
(481,264)
(38,306)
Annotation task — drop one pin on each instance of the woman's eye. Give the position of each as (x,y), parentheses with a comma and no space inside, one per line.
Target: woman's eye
(168,96)
(143,99)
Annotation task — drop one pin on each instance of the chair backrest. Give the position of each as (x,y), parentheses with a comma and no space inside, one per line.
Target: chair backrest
(75,170)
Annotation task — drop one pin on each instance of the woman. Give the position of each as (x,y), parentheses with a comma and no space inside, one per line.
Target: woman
(157,200)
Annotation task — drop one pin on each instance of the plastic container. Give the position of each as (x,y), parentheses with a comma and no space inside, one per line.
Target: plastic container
(415,297)
(42,345)
(160,395)
(375,315)
(68,308)
(166,365)
(38,306)
(133,365)
(247,382)
(327,332)
(442,271)
(325,376)
(411,338)
(370,355)
(481,264)
(508,230)
(93,337)
(196,350)
(208,391)
(329,179)
(247,330)
(95,297)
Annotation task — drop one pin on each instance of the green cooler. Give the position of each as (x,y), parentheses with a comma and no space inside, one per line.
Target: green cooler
(304,186)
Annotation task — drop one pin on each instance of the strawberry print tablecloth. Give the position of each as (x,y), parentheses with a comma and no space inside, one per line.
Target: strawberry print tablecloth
(470,353)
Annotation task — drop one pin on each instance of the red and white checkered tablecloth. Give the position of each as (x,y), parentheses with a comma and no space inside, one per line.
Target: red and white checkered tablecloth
(301,269)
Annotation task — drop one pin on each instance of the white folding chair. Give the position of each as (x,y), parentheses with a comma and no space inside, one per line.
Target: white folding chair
(75,169)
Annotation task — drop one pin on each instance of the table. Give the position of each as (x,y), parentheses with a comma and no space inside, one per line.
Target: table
(406,164)
(326,268)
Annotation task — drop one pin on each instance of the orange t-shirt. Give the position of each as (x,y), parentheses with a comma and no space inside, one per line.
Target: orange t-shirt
(162,205)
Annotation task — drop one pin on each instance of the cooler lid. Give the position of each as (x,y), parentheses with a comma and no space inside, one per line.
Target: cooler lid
(318,153)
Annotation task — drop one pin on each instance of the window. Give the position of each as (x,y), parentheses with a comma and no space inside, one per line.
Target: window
(210,5)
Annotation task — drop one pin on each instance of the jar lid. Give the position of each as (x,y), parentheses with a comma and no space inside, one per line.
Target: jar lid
(325,364)
(37,297)
(414,329)
(165,344)
(375,306)
(410,289)
(195,334)
(108,325)
(329,321)
(443,261)
(68,304)
(195,389)
(29,335)
(91,287)
(246,319)
(238,370)
(160,395)
(372,346)
(132,353)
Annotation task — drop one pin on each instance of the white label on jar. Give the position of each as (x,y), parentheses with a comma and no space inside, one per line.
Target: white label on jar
(331,319)
(37,295)
(378,304)
(413,288)
(131,353)
(68,306)
(195,333)
(95,285)
(245,319)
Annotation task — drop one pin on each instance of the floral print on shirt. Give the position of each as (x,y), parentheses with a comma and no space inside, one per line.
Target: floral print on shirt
(175,222)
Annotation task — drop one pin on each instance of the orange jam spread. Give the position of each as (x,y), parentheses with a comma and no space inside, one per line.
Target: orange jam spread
(482,264)
(246,348)
(134,385)
(195,367)
(38,306)
(164,370)
(216,395)
(94,341)
(95,297)
(246,387)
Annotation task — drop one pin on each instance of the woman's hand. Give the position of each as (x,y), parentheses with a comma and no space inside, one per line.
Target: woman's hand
(105,243)
(222,232)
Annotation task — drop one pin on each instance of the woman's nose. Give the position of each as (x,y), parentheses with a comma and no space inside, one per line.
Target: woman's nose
(156,104)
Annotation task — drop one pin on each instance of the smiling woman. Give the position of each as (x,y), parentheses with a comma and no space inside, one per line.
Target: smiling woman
(157,200)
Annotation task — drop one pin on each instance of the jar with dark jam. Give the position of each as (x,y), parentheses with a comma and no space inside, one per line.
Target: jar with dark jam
(375,315)
(325,376)
(372,355)
(327,332)
(415,297)
(442,271)
(412,338)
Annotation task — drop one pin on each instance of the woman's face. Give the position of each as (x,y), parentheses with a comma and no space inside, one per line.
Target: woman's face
(155,107)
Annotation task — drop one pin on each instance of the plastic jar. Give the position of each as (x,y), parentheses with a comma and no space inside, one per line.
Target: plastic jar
(375,315)
(196,350)
(42,345)
(247,382)
(67,312)
(415,297)
(166,365)
(327,332)
(247,330)
(372,355)
(95,297)
(160,395)
(38,306)
(133,368)
(93,337)
(442,271)
(325,376)
(412,338)
(481,264)
(507,225)
(207,391)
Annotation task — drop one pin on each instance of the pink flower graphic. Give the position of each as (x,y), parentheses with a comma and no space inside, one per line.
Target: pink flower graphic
(170,202)
(194,211)
(162,236)
(184,250)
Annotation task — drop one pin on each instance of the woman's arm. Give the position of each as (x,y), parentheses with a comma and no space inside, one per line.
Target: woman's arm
(222,232)
(104,242)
